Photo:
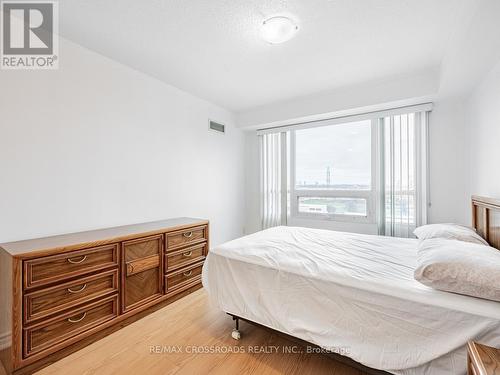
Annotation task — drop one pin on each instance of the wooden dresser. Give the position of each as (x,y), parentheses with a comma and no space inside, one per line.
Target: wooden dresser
(57,291)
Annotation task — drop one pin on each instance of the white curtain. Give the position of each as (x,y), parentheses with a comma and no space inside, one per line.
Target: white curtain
(404,174)
(273,189)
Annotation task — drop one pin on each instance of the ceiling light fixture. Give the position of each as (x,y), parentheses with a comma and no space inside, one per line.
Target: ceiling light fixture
(278,29)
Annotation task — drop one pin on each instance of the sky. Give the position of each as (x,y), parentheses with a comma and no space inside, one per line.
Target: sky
(345,148)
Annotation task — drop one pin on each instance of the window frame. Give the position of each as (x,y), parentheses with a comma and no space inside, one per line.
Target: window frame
(369,195)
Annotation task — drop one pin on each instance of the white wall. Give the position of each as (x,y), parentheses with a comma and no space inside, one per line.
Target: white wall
(483,125)
(97,144)
(391,92)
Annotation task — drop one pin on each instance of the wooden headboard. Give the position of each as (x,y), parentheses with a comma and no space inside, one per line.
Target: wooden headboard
(486,219)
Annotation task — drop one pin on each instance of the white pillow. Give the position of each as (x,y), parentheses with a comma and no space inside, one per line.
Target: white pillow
(459,267)
(449,231)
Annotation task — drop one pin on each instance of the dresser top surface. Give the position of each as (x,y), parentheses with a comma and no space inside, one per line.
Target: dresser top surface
(98,236)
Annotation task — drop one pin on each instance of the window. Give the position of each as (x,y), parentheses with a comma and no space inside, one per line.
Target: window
(369,168)
(335,205)
(332,171)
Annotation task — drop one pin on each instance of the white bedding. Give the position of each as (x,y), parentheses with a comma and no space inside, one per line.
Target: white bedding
(351,293)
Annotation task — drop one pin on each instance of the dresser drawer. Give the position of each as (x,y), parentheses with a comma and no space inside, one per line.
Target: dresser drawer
(55,331)
(49,301)
(186,237)
(184,257)
(182,277)
(56,268)
(142,271)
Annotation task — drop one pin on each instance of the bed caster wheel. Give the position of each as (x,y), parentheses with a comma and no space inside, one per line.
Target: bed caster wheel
(236,334)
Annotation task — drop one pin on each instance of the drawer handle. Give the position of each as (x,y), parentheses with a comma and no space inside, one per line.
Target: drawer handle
(188,234)
(77,290)
(77,261)
(189,273)
(77,320)
(188,254)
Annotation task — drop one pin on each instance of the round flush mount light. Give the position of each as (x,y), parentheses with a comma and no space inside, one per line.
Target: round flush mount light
(278,29)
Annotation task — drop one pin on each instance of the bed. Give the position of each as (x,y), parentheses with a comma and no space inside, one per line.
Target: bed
(354,295)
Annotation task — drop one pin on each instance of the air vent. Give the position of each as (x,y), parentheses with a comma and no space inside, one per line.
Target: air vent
(215,126)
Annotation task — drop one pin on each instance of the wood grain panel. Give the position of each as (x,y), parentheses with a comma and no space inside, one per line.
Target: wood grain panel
(142,247)
(17,313)
(142,272)
(55,330)
(141,288)
(57,268)
(481,223)
(49,301)
(486,219)
(182,277)
(494,228)
(184,257)
(482,359)
(187,237)
(144,264)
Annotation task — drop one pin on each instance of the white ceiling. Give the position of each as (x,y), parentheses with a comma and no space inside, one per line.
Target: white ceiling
(212,48)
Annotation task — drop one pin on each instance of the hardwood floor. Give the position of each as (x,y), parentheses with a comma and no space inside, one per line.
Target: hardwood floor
(187,324)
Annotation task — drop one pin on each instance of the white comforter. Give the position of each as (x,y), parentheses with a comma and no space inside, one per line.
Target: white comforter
(349,293)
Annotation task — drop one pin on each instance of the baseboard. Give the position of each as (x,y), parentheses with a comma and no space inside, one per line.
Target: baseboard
(5,340)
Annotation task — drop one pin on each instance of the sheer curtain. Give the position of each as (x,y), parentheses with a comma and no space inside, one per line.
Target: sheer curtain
(404,173)
(273,189)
